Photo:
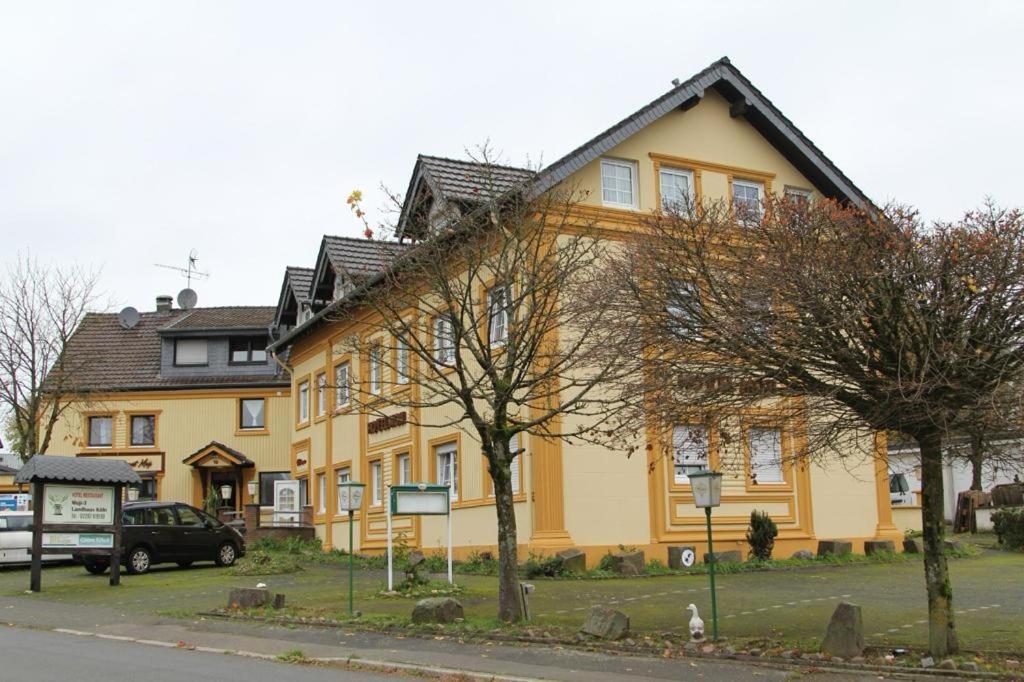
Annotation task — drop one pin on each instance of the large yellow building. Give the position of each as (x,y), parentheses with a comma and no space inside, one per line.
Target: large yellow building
(714,136)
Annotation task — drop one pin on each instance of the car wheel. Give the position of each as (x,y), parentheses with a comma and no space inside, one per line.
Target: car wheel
(184,564)
(226,555)
(95,567)
(139,561)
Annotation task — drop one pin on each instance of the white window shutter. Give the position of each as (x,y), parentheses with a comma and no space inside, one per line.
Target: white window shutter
(766,455)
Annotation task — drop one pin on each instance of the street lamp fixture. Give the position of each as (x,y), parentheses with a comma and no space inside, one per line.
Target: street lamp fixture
(225,492)
(707,493)
(350,499)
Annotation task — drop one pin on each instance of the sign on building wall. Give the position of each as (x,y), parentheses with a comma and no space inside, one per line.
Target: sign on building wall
(72,504)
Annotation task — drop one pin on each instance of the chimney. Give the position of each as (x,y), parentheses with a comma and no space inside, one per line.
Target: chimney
(163,303)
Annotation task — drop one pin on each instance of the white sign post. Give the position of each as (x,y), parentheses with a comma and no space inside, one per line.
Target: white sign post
(420,499)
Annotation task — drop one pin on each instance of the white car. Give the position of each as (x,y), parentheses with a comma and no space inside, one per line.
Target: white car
(16,539)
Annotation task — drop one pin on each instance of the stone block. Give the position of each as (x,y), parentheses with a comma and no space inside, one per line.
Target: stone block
(574,560)
(253,598)
(731,557)
(879,546)
(845,634)
(834,547)
(675,556)
(628,563)
(913,546)
(437,610)
(805,554)
(606,623)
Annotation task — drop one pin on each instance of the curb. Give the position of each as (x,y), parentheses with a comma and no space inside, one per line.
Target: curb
(350,662)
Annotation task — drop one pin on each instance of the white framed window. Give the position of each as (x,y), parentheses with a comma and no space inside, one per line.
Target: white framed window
(376,371)
(321,395)
(446,459)
(341,385)
(513,446)
(798,195)
(303,399)
(321,493)
(343,475)
(618,183)
(403,467)
(676,188)
(190,352)
(376,483)
(765,448)
(689,451)
(747,200)
(682,305)
(401,360)
(498,305)
(444,341)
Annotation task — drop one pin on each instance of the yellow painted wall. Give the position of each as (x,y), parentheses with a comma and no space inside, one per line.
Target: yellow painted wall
(845,498)
(185,422)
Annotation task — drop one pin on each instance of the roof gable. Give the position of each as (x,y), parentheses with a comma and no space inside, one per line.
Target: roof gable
(350,258)
(295,290)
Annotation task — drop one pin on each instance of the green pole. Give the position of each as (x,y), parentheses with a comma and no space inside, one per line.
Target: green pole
(351,563)
(711,573)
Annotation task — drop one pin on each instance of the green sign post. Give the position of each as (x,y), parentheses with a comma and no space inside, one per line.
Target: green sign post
(707,493)
(350,498)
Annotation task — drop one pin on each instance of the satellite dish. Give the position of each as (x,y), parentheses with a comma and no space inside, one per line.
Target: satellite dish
(187,299)
(129,317)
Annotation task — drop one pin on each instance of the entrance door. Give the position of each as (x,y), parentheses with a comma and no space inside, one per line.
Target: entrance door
(286,503)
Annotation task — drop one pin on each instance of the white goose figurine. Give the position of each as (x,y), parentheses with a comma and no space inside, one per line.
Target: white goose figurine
(696,624)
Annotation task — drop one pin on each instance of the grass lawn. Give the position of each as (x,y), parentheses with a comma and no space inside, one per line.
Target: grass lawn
(792,605)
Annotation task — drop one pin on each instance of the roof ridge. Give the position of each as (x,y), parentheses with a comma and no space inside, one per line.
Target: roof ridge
(475,163)
(362,240)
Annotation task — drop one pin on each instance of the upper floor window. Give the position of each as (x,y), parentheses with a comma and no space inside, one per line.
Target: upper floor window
(798,195)
(689,451)
(676,187)
(376,483)
(498,304)
(101,432)
(341,385)
(618,183)
(248,350)
(401,360)
(251,411)
(682,305)
(143,430)
(376,371)
(403,469)
(190,352)
(321,493)
(321,394)
(747,198)
(765,448)
(304,401)
(444,340)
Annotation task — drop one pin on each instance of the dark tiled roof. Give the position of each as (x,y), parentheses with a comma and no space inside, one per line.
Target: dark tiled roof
(108,357)
(7,470)
(301,280)
(470,180)
(228,317)
(242,459)
(360,257)
(83,469)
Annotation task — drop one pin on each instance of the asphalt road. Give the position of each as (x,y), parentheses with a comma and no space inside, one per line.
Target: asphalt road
(37,656)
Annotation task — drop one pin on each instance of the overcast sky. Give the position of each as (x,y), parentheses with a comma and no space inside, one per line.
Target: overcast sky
(133,132)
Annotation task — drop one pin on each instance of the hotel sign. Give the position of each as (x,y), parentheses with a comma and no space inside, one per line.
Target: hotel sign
(78,505)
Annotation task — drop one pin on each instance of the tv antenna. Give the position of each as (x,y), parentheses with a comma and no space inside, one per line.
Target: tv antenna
(188,272)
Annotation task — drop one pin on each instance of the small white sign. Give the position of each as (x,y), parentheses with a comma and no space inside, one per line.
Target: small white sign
(78,540)
(421,502)
(78,504)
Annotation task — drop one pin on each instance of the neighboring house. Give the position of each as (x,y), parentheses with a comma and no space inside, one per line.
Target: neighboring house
(714,136)
(189,398)
(957,472)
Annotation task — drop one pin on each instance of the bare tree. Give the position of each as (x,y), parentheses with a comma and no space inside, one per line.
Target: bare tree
(468,329)
(40,308)
(863,321)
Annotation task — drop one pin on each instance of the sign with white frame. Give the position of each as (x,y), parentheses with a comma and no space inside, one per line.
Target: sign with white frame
(78,505)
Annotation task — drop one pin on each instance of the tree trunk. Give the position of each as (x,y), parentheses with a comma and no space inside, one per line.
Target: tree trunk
(510,606)
(942,639)
(977,459)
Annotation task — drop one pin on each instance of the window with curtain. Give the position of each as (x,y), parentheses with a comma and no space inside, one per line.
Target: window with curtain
(251,413)
(101,432)
(143,427)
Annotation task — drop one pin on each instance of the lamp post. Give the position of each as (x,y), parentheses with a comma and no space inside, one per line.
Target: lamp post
(707,493)
(350,498)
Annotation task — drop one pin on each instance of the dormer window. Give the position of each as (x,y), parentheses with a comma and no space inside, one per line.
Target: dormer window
(190,352)
(341,287)
(248,351)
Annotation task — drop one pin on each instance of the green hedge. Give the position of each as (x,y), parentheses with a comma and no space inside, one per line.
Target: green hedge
(1009,527)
